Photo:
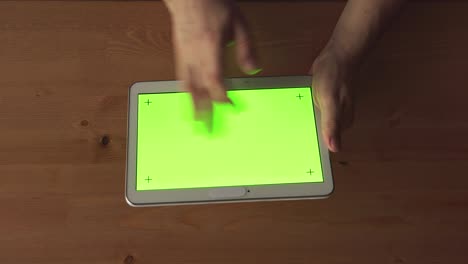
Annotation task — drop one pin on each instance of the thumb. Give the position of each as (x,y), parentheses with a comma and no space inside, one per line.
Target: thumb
(246,57)
(330,122)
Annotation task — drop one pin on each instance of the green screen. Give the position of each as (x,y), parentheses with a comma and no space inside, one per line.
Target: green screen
(267,136)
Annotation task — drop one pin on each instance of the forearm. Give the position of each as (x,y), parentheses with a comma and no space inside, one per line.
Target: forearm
(171,5)
(168,3)
(359,26)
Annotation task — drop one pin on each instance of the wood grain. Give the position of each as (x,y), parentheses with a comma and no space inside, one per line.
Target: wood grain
(401,184)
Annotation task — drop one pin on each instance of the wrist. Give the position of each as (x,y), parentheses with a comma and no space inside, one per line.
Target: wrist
(336,58)
(343,54)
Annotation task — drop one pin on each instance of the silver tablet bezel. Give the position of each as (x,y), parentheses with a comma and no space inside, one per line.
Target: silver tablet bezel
(201,195)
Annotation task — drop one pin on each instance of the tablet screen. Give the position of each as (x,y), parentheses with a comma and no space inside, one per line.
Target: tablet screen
(267,136)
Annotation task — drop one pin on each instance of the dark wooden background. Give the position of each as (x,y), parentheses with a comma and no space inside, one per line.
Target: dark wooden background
(401,184)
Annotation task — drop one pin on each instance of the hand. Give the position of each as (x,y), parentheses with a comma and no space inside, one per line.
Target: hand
(201,31)
(332,95)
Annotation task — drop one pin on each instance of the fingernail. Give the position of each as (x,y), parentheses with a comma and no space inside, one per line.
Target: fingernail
(229,101)
(251,68)
(224,101)
(255,71)
(221,98)
(334,145)
(231,43)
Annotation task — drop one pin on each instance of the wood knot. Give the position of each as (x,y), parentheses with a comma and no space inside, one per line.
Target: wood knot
(84,122)
(343,163)
(129,259)
(105,140)
(394,122)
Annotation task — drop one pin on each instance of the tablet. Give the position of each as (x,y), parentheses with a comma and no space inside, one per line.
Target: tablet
(265,146)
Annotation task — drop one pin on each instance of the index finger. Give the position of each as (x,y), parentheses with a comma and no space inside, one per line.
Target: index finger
(212,70)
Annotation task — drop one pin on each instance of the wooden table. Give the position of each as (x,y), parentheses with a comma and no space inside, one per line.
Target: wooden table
(401,184)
